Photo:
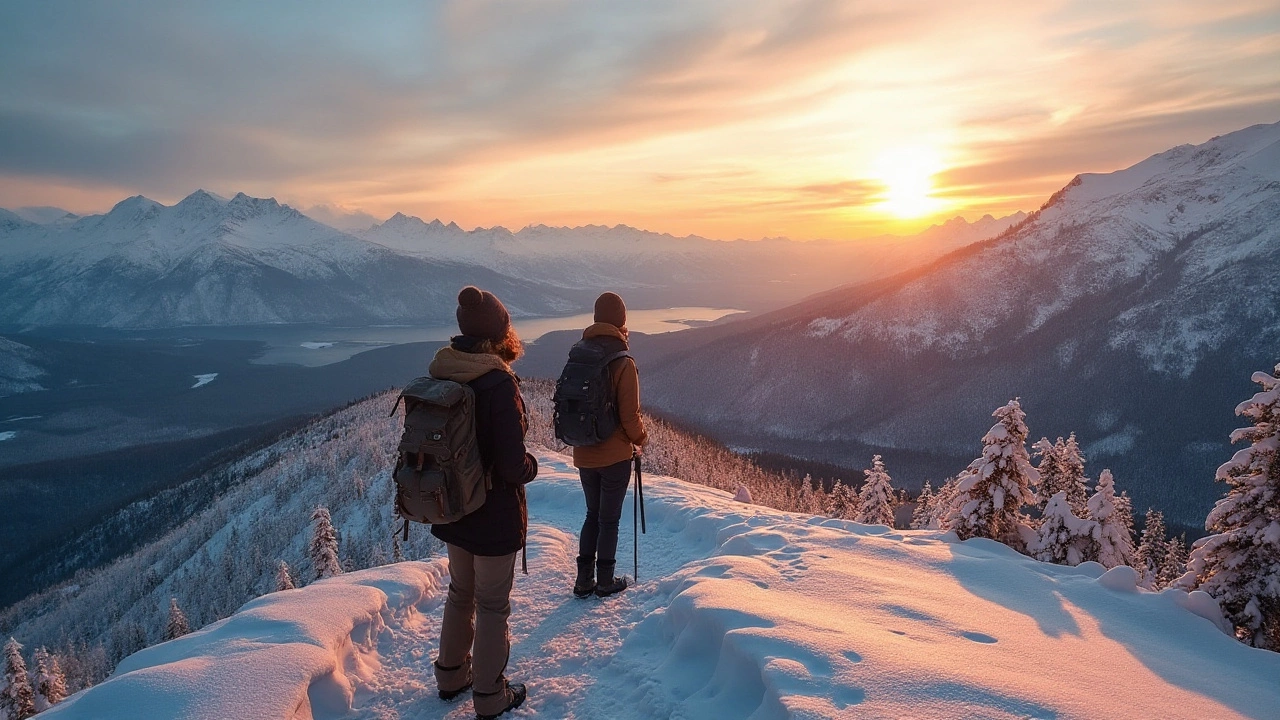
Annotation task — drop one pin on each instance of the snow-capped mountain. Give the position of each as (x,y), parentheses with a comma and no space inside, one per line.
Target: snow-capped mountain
(46,215)
(208,260)
(211,261)
(655,268)
(1132,309)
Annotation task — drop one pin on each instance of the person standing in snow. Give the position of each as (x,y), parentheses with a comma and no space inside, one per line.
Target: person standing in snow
(474,640)
(605,468)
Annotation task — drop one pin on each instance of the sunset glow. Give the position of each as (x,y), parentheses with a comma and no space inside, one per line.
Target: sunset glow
(742,119)
(907,174)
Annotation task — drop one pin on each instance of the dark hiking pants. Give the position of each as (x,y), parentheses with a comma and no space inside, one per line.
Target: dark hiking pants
(605,490)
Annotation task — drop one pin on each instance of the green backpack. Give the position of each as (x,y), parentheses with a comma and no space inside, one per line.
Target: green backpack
(439,474)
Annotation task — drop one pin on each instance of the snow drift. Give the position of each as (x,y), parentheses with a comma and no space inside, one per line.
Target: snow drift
(742,611)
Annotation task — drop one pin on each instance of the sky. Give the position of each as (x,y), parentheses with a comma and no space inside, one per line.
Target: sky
(727,119)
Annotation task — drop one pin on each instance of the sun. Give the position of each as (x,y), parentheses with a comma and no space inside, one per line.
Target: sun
(907,175)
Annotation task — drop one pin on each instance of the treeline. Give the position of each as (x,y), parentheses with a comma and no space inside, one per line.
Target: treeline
(239,546)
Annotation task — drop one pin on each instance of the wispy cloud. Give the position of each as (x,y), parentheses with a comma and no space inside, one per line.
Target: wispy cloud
(722,117)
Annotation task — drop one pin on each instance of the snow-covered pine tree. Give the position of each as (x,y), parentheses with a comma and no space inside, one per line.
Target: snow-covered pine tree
(17,700)
(177,625)
(1174,563)
(850,501)
(1150,553)
(1124,507)
(877,498)
(1240,563)
(1074,481)
(943,503)
(1115,538)
(1061,469)
(807,500)
(990,494)
(50,682)
(1064,539)
(835,500)
(324,545)
(742,494)
(923,513)
(1049,467)
(284,578)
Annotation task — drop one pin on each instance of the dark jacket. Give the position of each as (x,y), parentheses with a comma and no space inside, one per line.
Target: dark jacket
(499,526)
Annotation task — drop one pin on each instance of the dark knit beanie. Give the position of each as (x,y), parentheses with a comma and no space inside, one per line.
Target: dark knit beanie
(481,314)
(610,309)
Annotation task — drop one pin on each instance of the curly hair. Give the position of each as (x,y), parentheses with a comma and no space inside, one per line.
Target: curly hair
(510,348)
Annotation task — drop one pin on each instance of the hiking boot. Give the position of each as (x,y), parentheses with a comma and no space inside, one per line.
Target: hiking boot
(611,587)
(451,675)
(586,582)
(516,694)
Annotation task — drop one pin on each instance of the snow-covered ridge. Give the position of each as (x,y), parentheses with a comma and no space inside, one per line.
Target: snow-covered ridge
(209,260)
(741,611)
(1097,235)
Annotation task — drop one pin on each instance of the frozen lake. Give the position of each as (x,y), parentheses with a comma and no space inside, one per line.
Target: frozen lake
(317,345)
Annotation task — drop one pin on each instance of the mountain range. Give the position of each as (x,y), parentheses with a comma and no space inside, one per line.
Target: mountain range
(208,260)
(1131,309)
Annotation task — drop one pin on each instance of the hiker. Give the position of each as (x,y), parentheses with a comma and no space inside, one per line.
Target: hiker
(605,467)
(474,642)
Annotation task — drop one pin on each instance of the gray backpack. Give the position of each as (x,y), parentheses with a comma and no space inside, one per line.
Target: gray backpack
(439,474)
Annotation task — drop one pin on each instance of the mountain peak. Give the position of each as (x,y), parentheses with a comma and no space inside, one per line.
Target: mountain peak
(136,206)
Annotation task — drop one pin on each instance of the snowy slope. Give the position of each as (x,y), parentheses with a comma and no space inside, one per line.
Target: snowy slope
(741,611)
(1131,309)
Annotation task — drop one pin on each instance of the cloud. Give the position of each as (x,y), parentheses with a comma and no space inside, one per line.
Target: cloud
(668,111)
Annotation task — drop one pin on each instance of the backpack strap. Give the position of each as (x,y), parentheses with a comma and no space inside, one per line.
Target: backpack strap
(614,356)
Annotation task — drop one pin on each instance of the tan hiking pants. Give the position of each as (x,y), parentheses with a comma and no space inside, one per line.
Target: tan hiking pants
(475,616)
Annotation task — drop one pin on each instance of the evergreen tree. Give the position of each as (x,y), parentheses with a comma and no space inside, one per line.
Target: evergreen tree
(1124,508)
(17,700)
(843,502)
(1174,564)
(1049,468)
(943,503)
(1061,469)
(991,492)
(1064,538)
(1240,563)
(877,498)
(324,545)
(807,501)
(1150,553)
(50,682)
(284,580)
(1115,538)
(923,513)
(177,625)
(1071,460)
(397,551)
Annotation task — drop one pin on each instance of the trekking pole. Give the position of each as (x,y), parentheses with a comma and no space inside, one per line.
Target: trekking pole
(637,509)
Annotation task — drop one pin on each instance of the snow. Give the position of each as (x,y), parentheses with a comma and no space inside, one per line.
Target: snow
(8,435)
(205,379)
(318,345)
(743,611)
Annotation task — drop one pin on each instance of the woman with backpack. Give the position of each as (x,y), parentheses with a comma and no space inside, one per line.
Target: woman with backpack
(474,640)
(604,467)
